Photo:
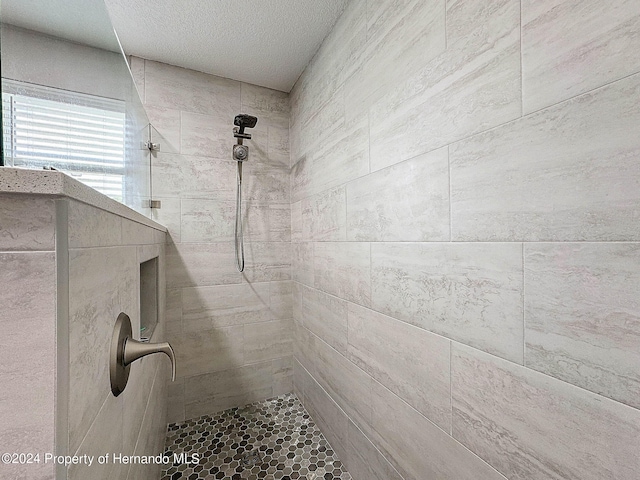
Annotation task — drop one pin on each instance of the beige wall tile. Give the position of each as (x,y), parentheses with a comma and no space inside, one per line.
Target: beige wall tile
(326,316)
(349,386)
(416,447)
(104,436)
(166,128)
(412,363)
(264,99)
(324,216)
(169,216)
(267,261)
(218,306)
(206,135)
(582,315)
(592,437)
(190,91)
(201,264)
(565,173)
(92,227)
(102,284)
(27,223)
(210,393)
(343,269)
(302,263)
(207,351)
(207,220)
(281,299)
(571,47)
(328,416)
(405,202)
(468,292)
(193,177)
(364,460)
(28,322)
(472,86)
(268,340)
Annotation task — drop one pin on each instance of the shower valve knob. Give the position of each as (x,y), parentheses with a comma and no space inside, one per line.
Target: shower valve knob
(240,152)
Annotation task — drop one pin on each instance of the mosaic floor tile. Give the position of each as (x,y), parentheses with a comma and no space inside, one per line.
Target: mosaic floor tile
(275,439)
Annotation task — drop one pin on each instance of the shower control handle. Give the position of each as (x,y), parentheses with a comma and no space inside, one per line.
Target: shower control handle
(125,350)
(133,350)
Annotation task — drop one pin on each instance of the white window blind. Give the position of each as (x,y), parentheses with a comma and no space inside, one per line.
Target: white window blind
(79,134)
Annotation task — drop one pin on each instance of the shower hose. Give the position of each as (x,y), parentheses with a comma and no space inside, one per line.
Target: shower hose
(239,240)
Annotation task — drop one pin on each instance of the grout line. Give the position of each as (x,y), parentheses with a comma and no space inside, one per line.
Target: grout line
(521,68)
(451,387)
(578,95)
(450,197)
(524,318)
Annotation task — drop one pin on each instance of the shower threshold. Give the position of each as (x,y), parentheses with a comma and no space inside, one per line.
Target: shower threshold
(272,439)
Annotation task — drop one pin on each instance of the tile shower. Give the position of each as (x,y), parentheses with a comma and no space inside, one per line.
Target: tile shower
(462,199)
(442,249)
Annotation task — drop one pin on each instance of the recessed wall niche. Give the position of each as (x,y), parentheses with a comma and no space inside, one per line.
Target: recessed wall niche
(148,297)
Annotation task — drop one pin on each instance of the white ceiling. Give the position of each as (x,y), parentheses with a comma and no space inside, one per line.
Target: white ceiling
(264,42)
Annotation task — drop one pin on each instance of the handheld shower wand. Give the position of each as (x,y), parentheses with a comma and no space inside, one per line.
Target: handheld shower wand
(240,154)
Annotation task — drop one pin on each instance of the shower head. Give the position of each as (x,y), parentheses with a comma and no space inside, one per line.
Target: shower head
(244,121)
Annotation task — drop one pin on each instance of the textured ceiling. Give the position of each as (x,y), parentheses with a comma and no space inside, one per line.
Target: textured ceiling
(264,42)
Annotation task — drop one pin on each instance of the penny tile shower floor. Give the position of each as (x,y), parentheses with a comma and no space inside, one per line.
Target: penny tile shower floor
(273,439)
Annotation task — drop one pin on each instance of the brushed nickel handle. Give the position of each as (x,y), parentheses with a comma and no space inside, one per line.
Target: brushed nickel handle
(133,350)
(125,350)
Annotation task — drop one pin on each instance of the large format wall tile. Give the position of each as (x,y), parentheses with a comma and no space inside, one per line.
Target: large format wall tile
(267,261)
(102,284)
(412,363)
(201,264)
(203,220)
(264,100)
(533,427)
(26,223)
(364,460)
(192,176)
(165,130)
(209,350)
(349,386)
(324,216)
(343,269)
(206,136)
(569,172)
(467,292)
(326,316)
(217,306)
(191,91)
(104,436)
(326,413)
(472,86)
(573,46)
(405,202)
(214,221)
(302,263)
(27,359)
(268,340)
(582,315)
(264,183)
(212,392)
(416,447)
(401,37)
(92,227)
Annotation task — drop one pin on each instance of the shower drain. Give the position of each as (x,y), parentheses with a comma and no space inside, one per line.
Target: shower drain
(251,458)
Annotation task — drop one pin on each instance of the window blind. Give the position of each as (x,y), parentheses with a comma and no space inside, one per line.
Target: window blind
(79,134)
